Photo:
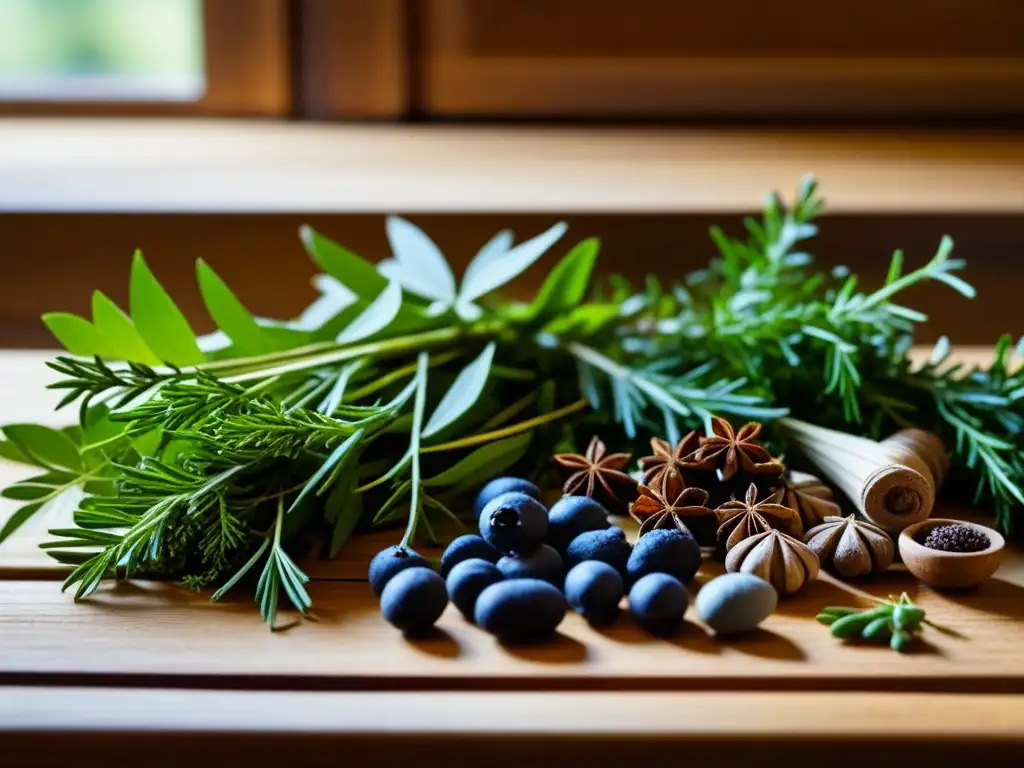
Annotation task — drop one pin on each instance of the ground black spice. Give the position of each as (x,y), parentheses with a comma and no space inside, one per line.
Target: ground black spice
(956,538)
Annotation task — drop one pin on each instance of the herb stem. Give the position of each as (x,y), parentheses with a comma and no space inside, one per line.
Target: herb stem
(512,429)
(419,405)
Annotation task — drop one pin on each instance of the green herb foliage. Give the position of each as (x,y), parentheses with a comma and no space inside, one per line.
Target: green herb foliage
(402,389)
(895,623)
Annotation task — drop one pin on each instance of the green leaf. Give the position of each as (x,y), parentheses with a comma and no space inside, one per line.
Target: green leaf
(350,508)
(352,271)
(158,319)
(464,392)
(566,286)
(77,334)
(119,332)
(19,518)
(337,455)
(10,451)
(44,445)
(498,269)
(485,462)
(376,317)
(419,263)
(229,314)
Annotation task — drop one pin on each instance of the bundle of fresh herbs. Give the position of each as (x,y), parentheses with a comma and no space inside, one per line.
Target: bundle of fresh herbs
(400,390)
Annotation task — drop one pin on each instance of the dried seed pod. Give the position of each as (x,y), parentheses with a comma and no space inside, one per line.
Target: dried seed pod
(809,496)
(738,520)
(851,547)
(784,562)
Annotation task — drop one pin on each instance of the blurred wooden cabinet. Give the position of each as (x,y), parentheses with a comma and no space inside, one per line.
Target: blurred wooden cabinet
(665,58)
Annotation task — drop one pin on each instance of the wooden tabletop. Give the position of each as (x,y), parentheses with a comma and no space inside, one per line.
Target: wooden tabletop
(141,661)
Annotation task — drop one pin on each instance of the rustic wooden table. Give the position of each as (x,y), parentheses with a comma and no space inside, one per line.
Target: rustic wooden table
(128,673)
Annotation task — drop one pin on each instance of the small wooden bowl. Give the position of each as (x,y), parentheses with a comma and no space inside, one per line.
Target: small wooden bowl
(949,570)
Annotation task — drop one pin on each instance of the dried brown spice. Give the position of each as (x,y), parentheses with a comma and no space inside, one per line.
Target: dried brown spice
(598,474)
(781,560)
(851,547)
(677,465)
(739,520)
(737,453)
(810,497)
(671,507)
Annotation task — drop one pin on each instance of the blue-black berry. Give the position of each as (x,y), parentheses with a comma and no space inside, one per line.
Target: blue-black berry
(390,561)
(467,547)
(500,485)
(543,563)
(664,550)
(658,602)
(608,545)
(467,580)
(521,610)
(414,599)
(572,515)
(594,590)
(514,523)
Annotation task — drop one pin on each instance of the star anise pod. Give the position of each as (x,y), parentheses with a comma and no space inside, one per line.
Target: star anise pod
(670,506)
(598,474)
(737,453)
(677,464)
(739,520)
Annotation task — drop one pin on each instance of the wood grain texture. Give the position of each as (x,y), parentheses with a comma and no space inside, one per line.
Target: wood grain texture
(162,727)
(148,633)
(215,166)
(576,58)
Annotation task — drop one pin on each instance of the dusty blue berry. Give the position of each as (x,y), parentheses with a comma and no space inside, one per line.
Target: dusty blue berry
(414,599)
(735,602)
(543,563)
(658,602)
(467,580)
(390,561)
(467,547)
(520,610)
(514,523)
(664,550)
(608,545)
(500,485)
(572,515)
(594,590)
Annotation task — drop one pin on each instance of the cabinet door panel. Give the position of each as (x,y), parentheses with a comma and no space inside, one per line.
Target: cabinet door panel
(746,57)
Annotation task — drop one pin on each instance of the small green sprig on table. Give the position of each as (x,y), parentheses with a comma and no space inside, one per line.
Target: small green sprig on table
(896,622)
(400,390)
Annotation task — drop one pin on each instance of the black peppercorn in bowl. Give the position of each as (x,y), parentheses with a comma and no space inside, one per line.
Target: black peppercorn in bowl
(951,554)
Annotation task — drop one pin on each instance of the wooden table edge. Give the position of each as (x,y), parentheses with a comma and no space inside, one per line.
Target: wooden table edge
(393,726)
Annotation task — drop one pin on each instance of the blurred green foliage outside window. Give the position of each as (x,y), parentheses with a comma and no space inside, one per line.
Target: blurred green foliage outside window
(101,50)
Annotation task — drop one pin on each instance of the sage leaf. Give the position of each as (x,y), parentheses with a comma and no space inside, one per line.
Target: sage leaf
(45,445)
(119,332)
(18,519)
(498,269)
(160,322)
(77,334)
(485,462)
(349,269)
(229,314)
(464,392)
(566,286)
(491,251)
(421,266)
(376,317)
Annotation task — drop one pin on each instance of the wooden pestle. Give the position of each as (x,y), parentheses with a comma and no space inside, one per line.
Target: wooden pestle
(893,482)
